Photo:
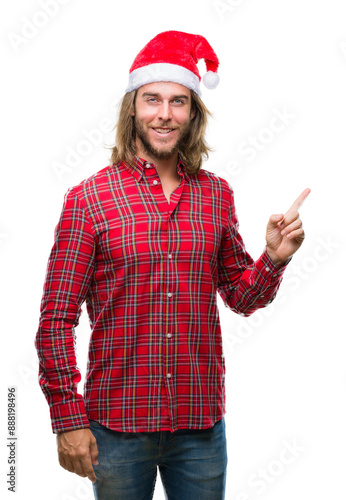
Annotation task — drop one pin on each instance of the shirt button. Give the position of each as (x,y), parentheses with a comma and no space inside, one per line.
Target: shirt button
(169,294)
(147,165)
(169,375)
(267,268)
(155,182)
(169,335)
(169,255)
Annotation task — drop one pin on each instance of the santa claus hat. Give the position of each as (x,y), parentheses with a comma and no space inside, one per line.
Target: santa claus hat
(172,56)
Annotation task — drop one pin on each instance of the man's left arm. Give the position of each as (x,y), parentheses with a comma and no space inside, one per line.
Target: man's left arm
(246,285)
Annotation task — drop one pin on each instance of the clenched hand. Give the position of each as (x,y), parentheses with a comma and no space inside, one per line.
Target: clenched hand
(77,451)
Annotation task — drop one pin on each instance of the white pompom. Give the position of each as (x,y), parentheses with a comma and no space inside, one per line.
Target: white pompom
(211,80)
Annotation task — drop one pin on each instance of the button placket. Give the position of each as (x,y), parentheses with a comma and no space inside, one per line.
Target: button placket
(167,369)
(169,335)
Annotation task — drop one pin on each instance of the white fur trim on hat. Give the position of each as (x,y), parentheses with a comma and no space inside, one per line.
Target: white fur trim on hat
(163,72)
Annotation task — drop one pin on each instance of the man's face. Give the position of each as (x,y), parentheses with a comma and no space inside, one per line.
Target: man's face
(162,114)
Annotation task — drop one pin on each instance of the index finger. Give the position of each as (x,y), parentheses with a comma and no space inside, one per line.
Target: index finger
(299,201)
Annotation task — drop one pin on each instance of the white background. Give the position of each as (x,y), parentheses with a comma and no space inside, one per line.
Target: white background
(285,365)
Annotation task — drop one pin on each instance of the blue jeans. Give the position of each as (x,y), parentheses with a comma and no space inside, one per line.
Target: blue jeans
(192,463)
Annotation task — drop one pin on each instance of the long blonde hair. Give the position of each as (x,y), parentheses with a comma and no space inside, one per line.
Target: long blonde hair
(193,150)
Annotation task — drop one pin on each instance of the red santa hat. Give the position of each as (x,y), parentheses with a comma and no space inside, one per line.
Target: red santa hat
(172,56)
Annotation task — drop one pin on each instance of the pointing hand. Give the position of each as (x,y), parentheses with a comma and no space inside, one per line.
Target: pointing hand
(285,233)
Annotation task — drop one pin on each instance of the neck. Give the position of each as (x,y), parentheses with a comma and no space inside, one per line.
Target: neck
(166,169)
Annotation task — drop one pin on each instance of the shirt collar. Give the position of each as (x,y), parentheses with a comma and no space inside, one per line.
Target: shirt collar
(137,170)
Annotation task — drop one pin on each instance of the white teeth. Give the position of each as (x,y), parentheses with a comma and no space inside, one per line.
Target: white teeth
(163,130)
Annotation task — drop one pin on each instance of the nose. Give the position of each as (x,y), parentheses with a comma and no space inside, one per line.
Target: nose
(164,111)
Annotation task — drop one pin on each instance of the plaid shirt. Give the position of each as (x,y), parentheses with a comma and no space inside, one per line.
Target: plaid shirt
(148,272)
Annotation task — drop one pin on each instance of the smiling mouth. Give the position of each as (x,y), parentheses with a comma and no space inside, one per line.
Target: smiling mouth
(163,131)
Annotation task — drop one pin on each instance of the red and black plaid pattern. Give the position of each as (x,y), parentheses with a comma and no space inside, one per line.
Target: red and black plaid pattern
(149,272)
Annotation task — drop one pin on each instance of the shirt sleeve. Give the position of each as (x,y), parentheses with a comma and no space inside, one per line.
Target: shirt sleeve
(245,285)
(69,272)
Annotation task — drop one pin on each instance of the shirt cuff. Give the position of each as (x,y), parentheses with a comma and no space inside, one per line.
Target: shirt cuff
(269,266)
(268,278)
(68,416)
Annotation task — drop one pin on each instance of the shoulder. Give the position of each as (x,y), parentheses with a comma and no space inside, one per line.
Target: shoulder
(93,183)
(214,181)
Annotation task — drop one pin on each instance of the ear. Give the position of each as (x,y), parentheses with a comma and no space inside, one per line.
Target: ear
(132,110)
(192,113)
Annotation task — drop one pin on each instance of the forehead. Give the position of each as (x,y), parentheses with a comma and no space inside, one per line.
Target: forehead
(164,89)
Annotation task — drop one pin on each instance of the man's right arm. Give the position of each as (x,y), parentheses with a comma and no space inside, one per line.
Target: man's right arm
(69,272)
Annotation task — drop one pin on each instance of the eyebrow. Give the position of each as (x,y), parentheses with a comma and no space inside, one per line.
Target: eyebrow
(152,94)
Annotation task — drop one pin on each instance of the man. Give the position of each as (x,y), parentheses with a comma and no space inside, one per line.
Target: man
(147,242)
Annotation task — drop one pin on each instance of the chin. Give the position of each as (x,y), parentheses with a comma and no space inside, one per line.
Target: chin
(160,152)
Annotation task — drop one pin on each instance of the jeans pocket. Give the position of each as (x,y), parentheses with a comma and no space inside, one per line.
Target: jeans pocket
(93,423)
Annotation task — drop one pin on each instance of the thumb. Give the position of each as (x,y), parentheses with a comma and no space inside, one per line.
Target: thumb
(94,453)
